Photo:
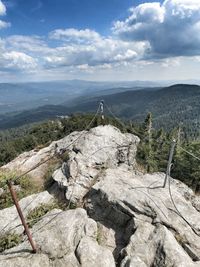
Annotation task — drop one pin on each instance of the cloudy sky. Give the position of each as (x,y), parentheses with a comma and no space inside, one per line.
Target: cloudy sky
(99,40)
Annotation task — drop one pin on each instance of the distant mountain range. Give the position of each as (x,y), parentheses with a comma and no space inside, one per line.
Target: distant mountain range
(170,106)
(22,96)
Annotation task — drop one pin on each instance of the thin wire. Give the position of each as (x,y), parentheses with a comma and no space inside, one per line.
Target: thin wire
(51,157)
(76,176)
(16,217)
(118,120)
(113,115)
(83,133)
(189,153)
(68,206)
(179,213)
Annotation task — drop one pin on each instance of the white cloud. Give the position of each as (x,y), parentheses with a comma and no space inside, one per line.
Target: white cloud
(86,47)
(171,28)
(14,60)
(154,38)
(170,62)
(4,24)
(97,52)
(19,60)
(31,44)
(74,35)
(2,9)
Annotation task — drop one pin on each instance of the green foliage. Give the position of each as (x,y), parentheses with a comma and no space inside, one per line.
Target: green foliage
(152,153)
(65,156)
(72,206)
(99,236)
(35,136)
(53,165)
(187,168)
(9,241)
(14,142)
(25,187)
(35,215)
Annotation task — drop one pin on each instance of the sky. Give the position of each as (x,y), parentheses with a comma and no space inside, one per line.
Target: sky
(102,40)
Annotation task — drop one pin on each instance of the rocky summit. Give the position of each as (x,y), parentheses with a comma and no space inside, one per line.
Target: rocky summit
(120,217)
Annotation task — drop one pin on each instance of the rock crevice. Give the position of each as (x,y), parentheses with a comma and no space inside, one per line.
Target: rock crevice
(122,221)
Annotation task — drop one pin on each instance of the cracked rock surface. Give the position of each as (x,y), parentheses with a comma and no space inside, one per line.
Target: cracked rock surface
(148,230)
(101,148)
(127,219)
(64,239)
(9,219)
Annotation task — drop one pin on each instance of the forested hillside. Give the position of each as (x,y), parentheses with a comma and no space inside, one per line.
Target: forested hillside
(170,106)
(25,96)
(152,154)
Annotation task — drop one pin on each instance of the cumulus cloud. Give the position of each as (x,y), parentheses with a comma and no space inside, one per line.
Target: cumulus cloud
(86,47)
(31,44)
(3,24)
(92,52)
(154,34)
(13,60)
(74,35)
(2,9)
(17,60)
(171,28)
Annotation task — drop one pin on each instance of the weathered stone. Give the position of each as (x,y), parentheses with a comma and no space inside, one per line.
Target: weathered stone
(124,199)
(60,236)
(90,254)
(134,222)
(31,159)
(24,259)
(102,147)
(9,218)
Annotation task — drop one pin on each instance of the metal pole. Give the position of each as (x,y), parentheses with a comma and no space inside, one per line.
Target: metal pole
(102,110)
(14,197)
(169,161)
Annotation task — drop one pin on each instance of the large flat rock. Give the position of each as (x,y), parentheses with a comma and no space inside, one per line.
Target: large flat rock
(122,200)
(63,238)
(9,218)
(100,148)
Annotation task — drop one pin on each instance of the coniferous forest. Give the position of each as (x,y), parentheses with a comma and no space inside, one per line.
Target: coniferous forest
(153,150)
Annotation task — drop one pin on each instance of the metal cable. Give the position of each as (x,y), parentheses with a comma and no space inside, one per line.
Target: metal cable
(49,158)
(189,153)
(196,231)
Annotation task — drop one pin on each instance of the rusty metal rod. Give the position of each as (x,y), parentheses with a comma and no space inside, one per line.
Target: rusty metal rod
(15,200)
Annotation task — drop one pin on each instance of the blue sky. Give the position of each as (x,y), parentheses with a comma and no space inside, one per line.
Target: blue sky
(99,40)
(40,17)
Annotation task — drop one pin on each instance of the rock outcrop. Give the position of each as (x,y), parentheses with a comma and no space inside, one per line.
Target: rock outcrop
(29,160)
(9,219)
(101,148)
(127,219)
(64,239)
(148,230)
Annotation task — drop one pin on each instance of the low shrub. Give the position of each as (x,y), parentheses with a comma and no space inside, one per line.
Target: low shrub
(35,215)
(9,241)
(25,187)
(47,178)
